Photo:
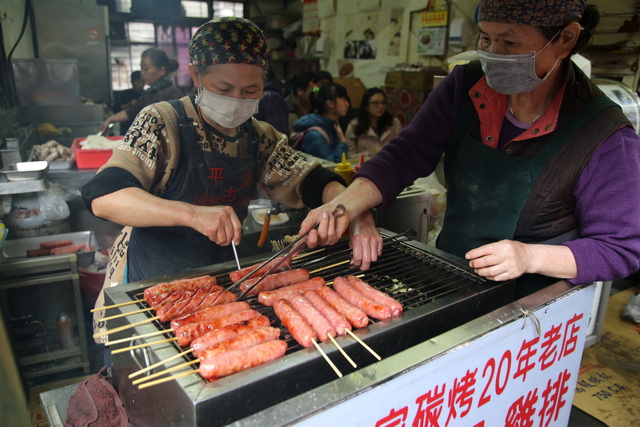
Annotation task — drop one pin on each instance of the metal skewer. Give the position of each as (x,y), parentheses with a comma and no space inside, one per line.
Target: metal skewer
(235,254)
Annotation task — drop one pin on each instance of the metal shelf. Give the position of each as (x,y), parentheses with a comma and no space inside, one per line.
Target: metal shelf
(47,271)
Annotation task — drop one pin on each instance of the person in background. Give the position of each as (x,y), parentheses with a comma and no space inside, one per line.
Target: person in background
(155,68)
(321,134)
(182,179)
(298,100)
(127,98)
(374,127)
(542,168)
(324,77)
(273,108)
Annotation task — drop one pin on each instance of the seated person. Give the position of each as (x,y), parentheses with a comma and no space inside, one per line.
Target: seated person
(319,133)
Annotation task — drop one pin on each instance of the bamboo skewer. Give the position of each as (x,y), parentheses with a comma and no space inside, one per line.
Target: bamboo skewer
(165,379)
(341,350)
(150,334)
(157,374)
(122,328)
(364,345)
(162,362)
(330,266)
(122,304)
(335,369)
(115,316)
(147,344)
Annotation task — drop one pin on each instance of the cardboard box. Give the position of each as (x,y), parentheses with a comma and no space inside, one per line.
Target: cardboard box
(413,80)
(355,88)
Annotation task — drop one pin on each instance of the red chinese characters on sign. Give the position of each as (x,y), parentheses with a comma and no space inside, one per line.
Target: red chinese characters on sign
(430,407)
(450,403)
(394,419)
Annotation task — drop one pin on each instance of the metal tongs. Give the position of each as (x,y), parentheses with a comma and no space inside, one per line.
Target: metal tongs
(293,248)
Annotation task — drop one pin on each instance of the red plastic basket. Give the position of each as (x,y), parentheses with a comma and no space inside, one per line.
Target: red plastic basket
(91,158)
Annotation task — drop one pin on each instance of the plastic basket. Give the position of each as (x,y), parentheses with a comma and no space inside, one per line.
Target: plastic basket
(91,158)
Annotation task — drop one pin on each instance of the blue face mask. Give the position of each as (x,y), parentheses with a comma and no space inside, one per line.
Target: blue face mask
(511,74)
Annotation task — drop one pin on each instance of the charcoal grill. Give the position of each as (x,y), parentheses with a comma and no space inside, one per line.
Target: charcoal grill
(438,291)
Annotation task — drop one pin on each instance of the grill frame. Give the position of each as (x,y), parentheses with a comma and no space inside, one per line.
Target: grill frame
(193,401)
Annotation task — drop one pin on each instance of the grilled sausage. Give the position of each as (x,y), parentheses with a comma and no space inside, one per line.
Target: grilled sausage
(373,309)
(275,281)
(38,252)
(55,244)
(227,332)
(234,361)
(337,320)
(156,293)
(255,337)
(295,323)
(212,299)
(191,331)
(209,313)
(269,298)
(167,312)
(239,274)
(354,315)
(375,295)
(318,322)
(69,249)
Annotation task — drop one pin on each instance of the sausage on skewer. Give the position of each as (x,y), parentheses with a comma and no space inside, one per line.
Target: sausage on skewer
(373,309)
(318,322)
(155,294)
(210,313)
(234,361)
(270,297)
(275,281)
(337,320)
(255,337)
(295,323)
(375,295)
(215,336)
(354,315)
(190,331)
(239,274)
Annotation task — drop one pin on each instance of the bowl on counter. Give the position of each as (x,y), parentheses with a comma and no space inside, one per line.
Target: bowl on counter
(25,171)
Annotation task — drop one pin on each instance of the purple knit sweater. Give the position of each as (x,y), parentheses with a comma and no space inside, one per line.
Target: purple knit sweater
(607,193)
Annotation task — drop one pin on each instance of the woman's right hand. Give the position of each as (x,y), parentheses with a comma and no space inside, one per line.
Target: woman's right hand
(219,223)
(104,126)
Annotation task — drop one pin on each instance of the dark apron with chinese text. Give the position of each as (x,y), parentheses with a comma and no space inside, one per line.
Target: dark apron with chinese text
(203,178)
(487,188)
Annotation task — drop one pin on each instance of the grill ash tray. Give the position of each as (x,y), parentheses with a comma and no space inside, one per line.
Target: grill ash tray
(438,294)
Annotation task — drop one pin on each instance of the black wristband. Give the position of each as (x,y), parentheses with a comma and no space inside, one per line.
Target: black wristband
(314,184)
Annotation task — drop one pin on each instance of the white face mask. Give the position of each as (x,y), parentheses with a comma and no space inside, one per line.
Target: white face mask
(226,111)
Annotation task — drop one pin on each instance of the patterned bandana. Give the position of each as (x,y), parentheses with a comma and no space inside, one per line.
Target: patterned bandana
(538,13)
(229,40)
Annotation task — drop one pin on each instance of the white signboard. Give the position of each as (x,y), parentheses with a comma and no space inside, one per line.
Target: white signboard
(521,374)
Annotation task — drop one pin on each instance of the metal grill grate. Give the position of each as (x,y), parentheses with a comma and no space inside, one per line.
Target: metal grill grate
(410,275)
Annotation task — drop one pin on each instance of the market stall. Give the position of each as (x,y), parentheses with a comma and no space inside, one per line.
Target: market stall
(502,360)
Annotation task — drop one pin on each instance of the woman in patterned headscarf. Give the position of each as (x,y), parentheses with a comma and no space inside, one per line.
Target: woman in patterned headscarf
(543,170)
(183,177)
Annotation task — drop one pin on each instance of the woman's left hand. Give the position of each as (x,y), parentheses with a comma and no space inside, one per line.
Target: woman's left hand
(499,261)
(365,241)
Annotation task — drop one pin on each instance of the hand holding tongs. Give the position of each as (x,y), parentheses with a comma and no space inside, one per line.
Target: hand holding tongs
(293,248)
